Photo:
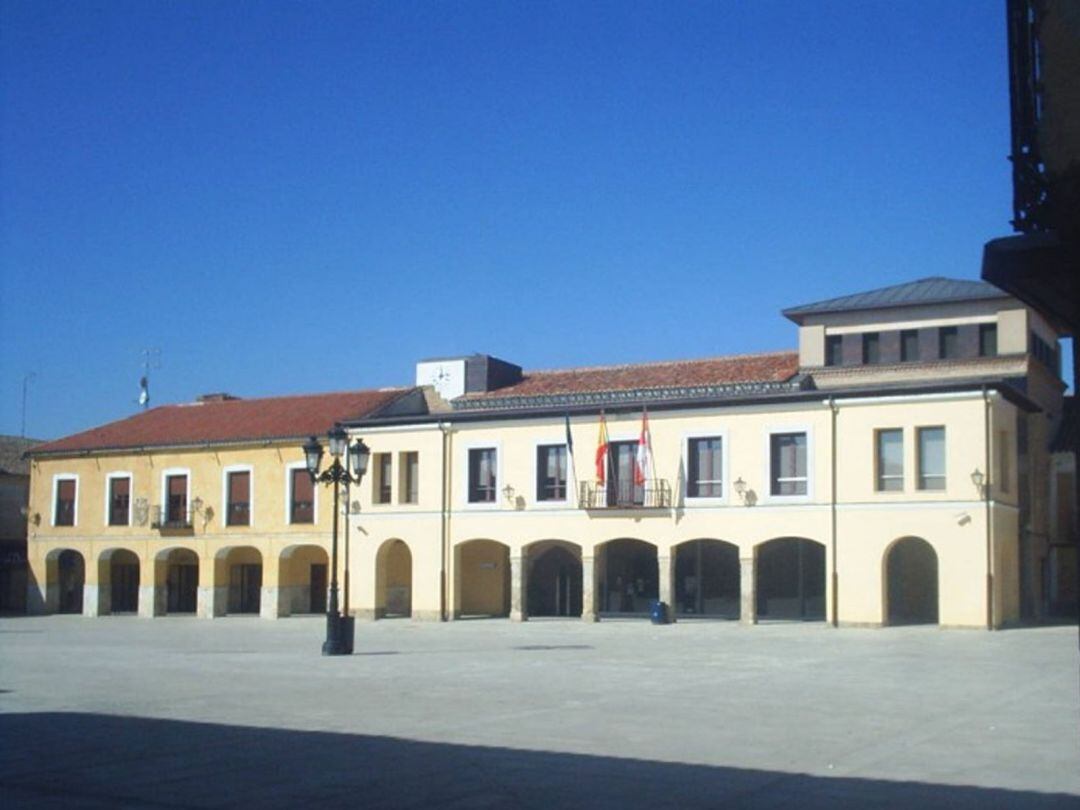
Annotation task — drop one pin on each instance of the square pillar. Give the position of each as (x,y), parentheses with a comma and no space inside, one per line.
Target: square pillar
(667,583)
(588,589)
(519,585)
(91,602)
(747,591)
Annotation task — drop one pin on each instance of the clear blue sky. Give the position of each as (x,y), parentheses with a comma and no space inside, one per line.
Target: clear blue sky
(289,197)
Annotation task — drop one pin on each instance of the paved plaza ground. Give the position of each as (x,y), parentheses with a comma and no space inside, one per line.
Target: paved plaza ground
(179,712)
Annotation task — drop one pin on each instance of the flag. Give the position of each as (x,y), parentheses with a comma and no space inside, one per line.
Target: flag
(571,466)
(601,452)
(643,460)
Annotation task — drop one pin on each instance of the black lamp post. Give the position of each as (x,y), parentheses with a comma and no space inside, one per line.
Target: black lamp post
(339,629)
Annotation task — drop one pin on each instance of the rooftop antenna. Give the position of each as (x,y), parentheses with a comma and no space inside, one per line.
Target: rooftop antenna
(28,378)
(151,359)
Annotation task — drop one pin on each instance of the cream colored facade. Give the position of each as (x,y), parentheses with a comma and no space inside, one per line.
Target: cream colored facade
(847,550)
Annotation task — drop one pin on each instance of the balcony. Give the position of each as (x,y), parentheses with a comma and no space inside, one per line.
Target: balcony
(171,518)
(653,494)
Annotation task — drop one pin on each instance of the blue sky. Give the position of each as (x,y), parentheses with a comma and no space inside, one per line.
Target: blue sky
(288,197)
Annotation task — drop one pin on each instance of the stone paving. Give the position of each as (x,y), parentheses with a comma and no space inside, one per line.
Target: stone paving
(179,712)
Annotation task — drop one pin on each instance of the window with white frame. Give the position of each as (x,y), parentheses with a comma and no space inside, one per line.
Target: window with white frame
(119,500)
(551,472)
(301,496)
(65,492)
(931,461)
(483,474)
(787,464)
(889,461)
(409,467)
(238,495)
(705,467)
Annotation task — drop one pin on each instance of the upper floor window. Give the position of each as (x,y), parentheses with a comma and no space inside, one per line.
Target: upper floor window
(410,477)
(120,500)
(1046,354)
(834,350)
(382,483)
(931,446)
(238,508)
(909,345)
(551,472)
(176,494)
(787,457)
(482,475)
(871,348)
(705,476)
(301,496)
(64,508)
(889,463)
(949,342)
(988,340)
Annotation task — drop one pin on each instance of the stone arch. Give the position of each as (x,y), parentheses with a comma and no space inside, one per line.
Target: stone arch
(303,579)
(481,578)
(707,579)
(393,580)
(790,579)
(65,580)
(629,576)
(118,581)
(910,574)
(176,581)
(553,586)
(238,574)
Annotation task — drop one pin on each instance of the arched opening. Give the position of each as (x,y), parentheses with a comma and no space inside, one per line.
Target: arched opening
(118,582)
(790,574)
(483,579)
(393,580)
(303,580)
(181,580)
(629,577)
(707,579)
(70,581)
(554,582)
(243,576)
(911,577)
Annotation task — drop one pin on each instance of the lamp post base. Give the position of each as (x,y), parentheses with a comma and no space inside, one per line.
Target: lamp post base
(340,634)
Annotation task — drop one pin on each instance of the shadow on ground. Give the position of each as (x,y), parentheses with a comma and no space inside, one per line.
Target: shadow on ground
(86,760)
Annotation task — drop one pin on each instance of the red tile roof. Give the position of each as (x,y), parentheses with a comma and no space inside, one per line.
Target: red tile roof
(742,368)
(227,421)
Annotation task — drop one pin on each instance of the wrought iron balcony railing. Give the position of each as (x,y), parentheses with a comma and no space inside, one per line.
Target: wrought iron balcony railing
(171,517)
(655,493)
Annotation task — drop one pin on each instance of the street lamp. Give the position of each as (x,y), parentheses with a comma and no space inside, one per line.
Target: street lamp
(339,629)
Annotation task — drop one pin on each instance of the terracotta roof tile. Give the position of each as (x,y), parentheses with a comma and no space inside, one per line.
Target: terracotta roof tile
(232,420)
(743,368)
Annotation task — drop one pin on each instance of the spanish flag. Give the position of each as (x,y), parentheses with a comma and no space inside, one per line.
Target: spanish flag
(602,452)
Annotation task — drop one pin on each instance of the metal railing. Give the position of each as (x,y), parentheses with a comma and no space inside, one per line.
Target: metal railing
(655,493)
(166,517)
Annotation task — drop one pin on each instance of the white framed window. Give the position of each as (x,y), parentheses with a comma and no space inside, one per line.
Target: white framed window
(889,460)
(552,480)
(931,458)
(482,474)
(409,477)
(65,499)
(175,503)
(118,497)
(301,495)
(238,494)
(789,459)
(382,478)
(705,461)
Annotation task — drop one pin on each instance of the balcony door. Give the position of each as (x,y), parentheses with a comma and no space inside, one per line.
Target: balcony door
(622,489)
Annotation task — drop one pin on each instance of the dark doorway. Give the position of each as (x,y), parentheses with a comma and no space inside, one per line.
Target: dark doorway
(318,587)
(245,588)
(71,577)
(707,579)
(791,580)
(182,584)
(912,575)
(629,577)
(554,583)
(124,582)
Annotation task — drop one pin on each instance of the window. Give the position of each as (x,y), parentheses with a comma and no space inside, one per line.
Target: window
(551,472)
(871,348)
(64,508)
(238,508)
(119,501)
(909,345)
(890,460)
(1046,354)
(176,499)
(301,496)
(704,478)
(787,456)
(409,489)
(949,343)
(931,458)
(382,479)
(988,340)
(482,475)
(834,350)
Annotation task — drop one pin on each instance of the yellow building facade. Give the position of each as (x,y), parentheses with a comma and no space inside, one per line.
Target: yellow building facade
(895,469)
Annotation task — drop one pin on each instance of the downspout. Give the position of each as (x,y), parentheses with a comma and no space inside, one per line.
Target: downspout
(444,521)
(834,410)
(987,516)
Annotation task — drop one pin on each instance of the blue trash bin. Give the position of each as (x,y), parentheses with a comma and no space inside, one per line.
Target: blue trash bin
(658,612)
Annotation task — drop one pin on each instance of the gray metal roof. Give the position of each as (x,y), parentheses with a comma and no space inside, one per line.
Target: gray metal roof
(933,290)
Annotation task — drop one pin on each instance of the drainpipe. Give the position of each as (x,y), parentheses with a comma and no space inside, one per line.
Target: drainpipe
(444,521)
(986,503)
(834,410)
